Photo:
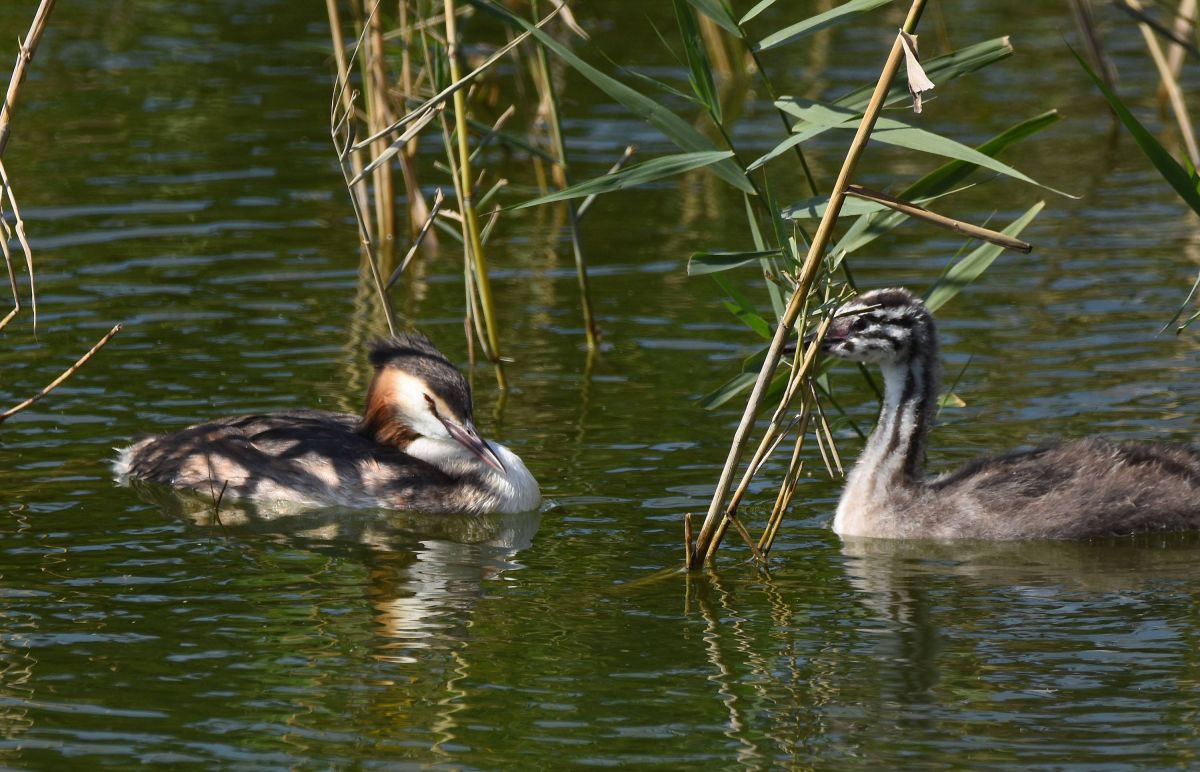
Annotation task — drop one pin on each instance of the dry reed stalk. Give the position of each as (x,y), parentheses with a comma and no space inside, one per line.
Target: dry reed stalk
(706,542)
(1184,28)
(624,159)
(5,236)
(438,200)
(804,361)
(1170,85)
(941,221)
(24,57)
(65,375)
(545,83)
(474,242)
(341,130)
(379,116)
(18,227)
(347,99)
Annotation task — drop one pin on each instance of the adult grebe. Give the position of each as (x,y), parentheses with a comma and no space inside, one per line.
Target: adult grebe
(1086,488)
(414,448)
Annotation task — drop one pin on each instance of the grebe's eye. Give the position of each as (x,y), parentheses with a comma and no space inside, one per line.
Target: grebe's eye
(859,324)
(432,404)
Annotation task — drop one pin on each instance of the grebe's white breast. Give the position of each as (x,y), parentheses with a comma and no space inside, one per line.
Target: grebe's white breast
(513,490)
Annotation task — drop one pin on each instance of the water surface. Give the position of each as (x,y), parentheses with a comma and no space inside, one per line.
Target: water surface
(173,165)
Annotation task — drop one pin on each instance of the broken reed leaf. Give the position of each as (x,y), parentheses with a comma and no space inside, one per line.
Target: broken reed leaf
(814,24)
(712,262)
(975,263)
(965,228)
(918,81)
(940,69)
(680,131)
(638,174)
(62,377)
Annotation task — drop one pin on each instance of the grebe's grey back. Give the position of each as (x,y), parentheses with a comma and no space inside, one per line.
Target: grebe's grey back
(414,448)
(1087,488)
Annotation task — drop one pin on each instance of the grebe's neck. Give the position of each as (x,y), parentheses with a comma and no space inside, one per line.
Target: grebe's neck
(893,460)
(379,421)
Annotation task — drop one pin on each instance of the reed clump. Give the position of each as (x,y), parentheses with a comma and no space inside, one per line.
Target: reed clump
(407,76)
(803,249)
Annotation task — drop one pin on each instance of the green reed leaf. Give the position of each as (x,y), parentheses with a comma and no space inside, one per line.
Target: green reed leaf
(701,76)
(675,128)
(816,23)
(939,69)
(975,263)
(712,262)
(940,180)
(719,13)
(1170,169)
(638,174)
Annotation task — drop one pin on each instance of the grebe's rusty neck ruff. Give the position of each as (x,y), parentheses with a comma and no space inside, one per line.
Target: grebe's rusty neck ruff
(415,447)
(1086,488)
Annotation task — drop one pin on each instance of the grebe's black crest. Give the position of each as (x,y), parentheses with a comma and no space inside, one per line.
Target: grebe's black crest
(415,354)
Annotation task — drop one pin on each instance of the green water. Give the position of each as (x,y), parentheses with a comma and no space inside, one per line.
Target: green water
(173,165)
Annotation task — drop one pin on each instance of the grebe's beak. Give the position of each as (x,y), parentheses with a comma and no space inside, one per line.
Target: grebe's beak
(470,439)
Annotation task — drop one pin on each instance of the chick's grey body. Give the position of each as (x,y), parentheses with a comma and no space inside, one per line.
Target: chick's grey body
(1091,487)
(414,448)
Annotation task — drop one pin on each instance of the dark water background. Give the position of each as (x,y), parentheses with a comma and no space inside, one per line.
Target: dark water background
(173,165)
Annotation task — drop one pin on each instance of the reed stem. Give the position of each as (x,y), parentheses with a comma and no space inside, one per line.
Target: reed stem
(474,242)
(560,150)
(706,544)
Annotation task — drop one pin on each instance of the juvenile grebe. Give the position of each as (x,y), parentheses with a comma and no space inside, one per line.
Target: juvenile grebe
(1091,487)
(414,448)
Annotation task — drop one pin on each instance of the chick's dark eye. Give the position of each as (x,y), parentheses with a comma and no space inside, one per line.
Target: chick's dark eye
(859,324)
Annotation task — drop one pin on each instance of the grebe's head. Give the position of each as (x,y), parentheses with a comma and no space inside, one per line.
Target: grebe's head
(880,326)
(417,392)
